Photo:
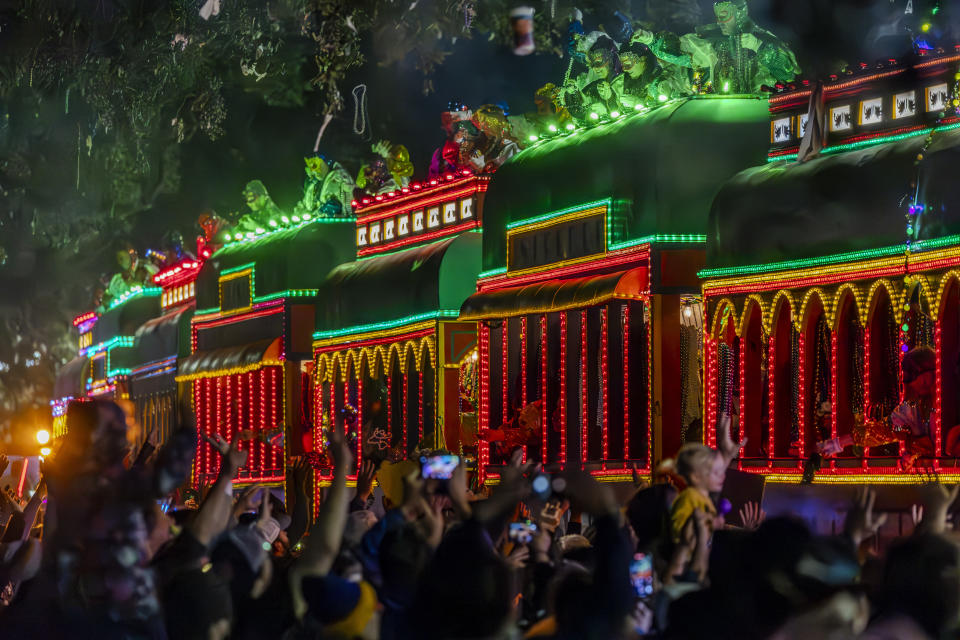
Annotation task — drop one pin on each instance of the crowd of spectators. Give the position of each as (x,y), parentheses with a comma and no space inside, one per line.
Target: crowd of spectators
(106,547)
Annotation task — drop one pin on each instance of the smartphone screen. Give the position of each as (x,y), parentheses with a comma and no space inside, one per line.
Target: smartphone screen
(641,575)
(522,532)
(439,467)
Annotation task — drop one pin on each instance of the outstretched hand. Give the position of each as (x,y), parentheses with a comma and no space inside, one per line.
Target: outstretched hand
(751,515)
(932,515)
(365,477)
(861,522)
(728,448)
(230,453)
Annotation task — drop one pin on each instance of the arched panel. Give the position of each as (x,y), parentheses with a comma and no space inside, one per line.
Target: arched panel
(723,310)
(849,364)
(754,301)
(782,369)
(816,374)
(882,360)
(948,361)
(814,302)
(753,381)
(857,297)
(881,287)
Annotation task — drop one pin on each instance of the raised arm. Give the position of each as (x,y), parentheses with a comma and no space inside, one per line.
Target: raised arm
(214,513)
(326,533)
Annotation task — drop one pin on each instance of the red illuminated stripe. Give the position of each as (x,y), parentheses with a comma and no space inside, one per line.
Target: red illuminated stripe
(613,259)
(415,204)
(218,321)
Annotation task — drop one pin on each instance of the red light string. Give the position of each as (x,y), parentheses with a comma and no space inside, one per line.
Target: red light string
(584,391)
(563,388)
(544,416)
(625,324)
(605,388)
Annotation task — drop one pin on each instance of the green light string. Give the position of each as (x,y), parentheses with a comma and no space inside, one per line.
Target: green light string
(388,324)
(838,258)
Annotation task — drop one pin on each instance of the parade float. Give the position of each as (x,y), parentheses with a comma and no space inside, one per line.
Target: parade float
(390,354)
(251,333)
(831,289)
(588,304)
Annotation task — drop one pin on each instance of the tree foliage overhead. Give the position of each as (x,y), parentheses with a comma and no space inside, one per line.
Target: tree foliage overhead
(100,98)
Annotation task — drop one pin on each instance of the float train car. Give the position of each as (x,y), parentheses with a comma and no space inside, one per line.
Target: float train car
(832,285)
(131,350)
(251,340)
(390,354)
(588,305)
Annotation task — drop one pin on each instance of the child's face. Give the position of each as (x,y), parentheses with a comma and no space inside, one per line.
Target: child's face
(710,478)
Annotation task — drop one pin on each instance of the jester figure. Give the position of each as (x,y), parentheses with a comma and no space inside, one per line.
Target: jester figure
(262,209)
(909,422)
(327,189)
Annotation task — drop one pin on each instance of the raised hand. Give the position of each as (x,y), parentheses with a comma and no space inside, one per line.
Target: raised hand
(517,559)
(365,477)
(916,514)
(728,448)
(861,522)
(936,504)
(245,501)
(751,515)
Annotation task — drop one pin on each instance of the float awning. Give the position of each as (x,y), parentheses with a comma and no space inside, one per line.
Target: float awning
(556,295)
(215,362)
(70,379)
(166,336)
(837,203)
(416,283)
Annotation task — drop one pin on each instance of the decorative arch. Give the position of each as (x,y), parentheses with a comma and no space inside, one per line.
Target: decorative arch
(428,352)
(748,303)
(394,350)
(776,307)
(926,289)
(410,350)
(892,293)
(801,318)
(723,309)
(945,280)
(843,291)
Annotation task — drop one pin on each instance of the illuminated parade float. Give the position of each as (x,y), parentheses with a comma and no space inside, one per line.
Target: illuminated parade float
(831,288)
(250,335)
(130,349)
(391,357)
(588,306)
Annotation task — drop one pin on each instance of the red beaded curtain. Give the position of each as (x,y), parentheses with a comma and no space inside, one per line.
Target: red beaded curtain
(251,401)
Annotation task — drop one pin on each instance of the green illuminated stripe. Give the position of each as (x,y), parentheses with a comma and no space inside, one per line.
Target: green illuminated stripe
(249,265)
(388,324)
(115,341)
(203,312)
(289,293)
(694,238)
(491,272)
(851,256)
(555,214)
(271,232)
(136,293)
